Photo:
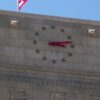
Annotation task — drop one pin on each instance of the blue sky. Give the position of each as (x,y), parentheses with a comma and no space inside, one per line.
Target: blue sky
(83,9)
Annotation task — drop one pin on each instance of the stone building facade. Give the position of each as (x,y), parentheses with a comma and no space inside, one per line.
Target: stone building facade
(31,69)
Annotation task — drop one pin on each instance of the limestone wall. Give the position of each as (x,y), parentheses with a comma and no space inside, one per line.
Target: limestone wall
(31,69)
(27,42)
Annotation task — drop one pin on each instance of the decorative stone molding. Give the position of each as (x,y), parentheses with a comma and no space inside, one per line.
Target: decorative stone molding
(76,83)
(58,96)
(14,22)
(91,32)
(17,94)
(95,97)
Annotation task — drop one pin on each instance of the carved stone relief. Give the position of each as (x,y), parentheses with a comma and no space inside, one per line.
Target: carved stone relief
(95,97)
(17,94)
(58,96)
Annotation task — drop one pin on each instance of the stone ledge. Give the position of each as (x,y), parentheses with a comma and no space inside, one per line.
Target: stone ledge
(43,81)
(46,17)
(50,71)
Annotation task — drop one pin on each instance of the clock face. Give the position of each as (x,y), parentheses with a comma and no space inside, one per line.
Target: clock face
(54,44)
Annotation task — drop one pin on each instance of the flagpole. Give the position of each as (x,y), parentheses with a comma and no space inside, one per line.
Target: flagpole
(17,5)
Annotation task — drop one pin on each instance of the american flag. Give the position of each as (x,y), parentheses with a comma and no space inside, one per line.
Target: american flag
(20,3)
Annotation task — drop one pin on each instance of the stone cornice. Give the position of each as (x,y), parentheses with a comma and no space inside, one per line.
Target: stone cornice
(56,77)
(76,83)
(53,18)
(50,70)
